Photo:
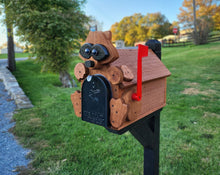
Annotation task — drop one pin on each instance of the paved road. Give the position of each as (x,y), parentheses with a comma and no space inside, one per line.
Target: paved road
(4,62)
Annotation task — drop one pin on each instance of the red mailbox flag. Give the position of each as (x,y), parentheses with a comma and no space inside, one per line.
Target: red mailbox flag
(142,52)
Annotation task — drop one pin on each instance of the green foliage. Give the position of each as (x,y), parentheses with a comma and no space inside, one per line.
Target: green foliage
(138,27)
(53,27)
(1,8)
(209,9)
(5,7)
(189,142)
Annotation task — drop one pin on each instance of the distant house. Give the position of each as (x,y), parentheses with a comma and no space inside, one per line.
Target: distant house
(140,42)
(186,32)
(186,35)
(120,44)
(4,49)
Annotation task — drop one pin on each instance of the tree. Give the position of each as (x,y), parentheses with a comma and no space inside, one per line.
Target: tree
(114,30)
(54,28)
(10,43)
(207,18)
(216,18)
(158,25)
(127,29)
(140,28)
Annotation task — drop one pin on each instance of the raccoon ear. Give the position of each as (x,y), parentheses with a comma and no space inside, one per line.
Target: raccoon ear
(108,35)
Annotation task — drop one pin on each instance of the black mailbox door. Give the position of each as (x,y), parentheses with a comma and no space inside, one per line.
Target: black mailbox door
(96,94)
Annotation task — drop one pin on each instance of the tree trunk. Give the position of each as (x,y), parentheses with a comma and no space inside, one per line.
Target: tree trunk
(195,35)
(11,52)
(66,80)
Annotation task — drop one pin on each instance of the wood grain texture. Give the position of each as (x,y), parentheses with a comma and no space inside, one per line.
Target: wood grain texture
(134,106)
(115,75)
(103,70)
(153,98)
(77,103)
(118,112)
(152,67)
(127,73)
(80,71)
(116,91)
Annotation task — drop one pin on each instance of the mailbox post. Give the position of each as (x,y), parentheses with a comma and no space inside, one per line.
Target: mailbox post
(123,90)
(147,132)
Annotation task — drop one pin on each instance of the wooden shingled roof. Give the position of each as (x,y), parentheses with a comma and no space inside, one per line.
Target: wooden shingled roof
(152,67)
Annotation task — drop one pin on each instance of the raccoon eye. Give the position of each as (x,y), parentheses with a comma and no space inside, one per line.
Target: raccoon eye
(99,52)
(94,52)
(85,50)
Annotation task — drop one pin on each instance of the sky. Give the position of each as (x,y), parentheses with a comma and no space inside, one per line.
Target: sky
(111,11)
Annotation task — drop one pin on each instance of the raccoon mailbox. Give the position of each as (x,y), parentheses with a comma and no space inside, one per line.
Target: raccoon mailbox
(123,90)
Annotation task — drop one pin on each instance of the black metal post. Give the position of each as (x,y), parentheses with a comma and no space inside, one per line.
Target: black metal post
(147,133)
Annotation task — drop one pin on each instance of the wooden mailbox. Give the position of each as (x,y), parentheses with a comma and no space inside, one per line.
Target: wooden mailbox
(109,80)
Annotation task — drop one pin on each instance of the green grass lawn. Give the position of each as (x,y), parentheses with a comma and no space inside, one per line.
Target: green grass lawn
(17,55)
(62,144)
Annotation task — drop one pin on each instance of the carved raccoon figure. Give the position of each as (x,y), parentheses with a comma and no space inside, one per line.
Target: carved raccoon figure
(97,53)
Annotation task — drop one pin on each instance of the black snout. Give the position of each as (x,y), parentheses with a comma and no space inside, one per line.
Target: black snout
(89,64)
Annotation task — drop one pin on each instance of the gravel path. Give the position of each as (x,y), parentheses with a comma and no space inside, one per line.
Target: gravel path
(11,153)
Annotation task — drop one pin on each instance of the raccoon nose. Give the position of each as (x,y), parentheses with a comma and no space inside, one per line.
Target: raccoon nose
(89,64)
